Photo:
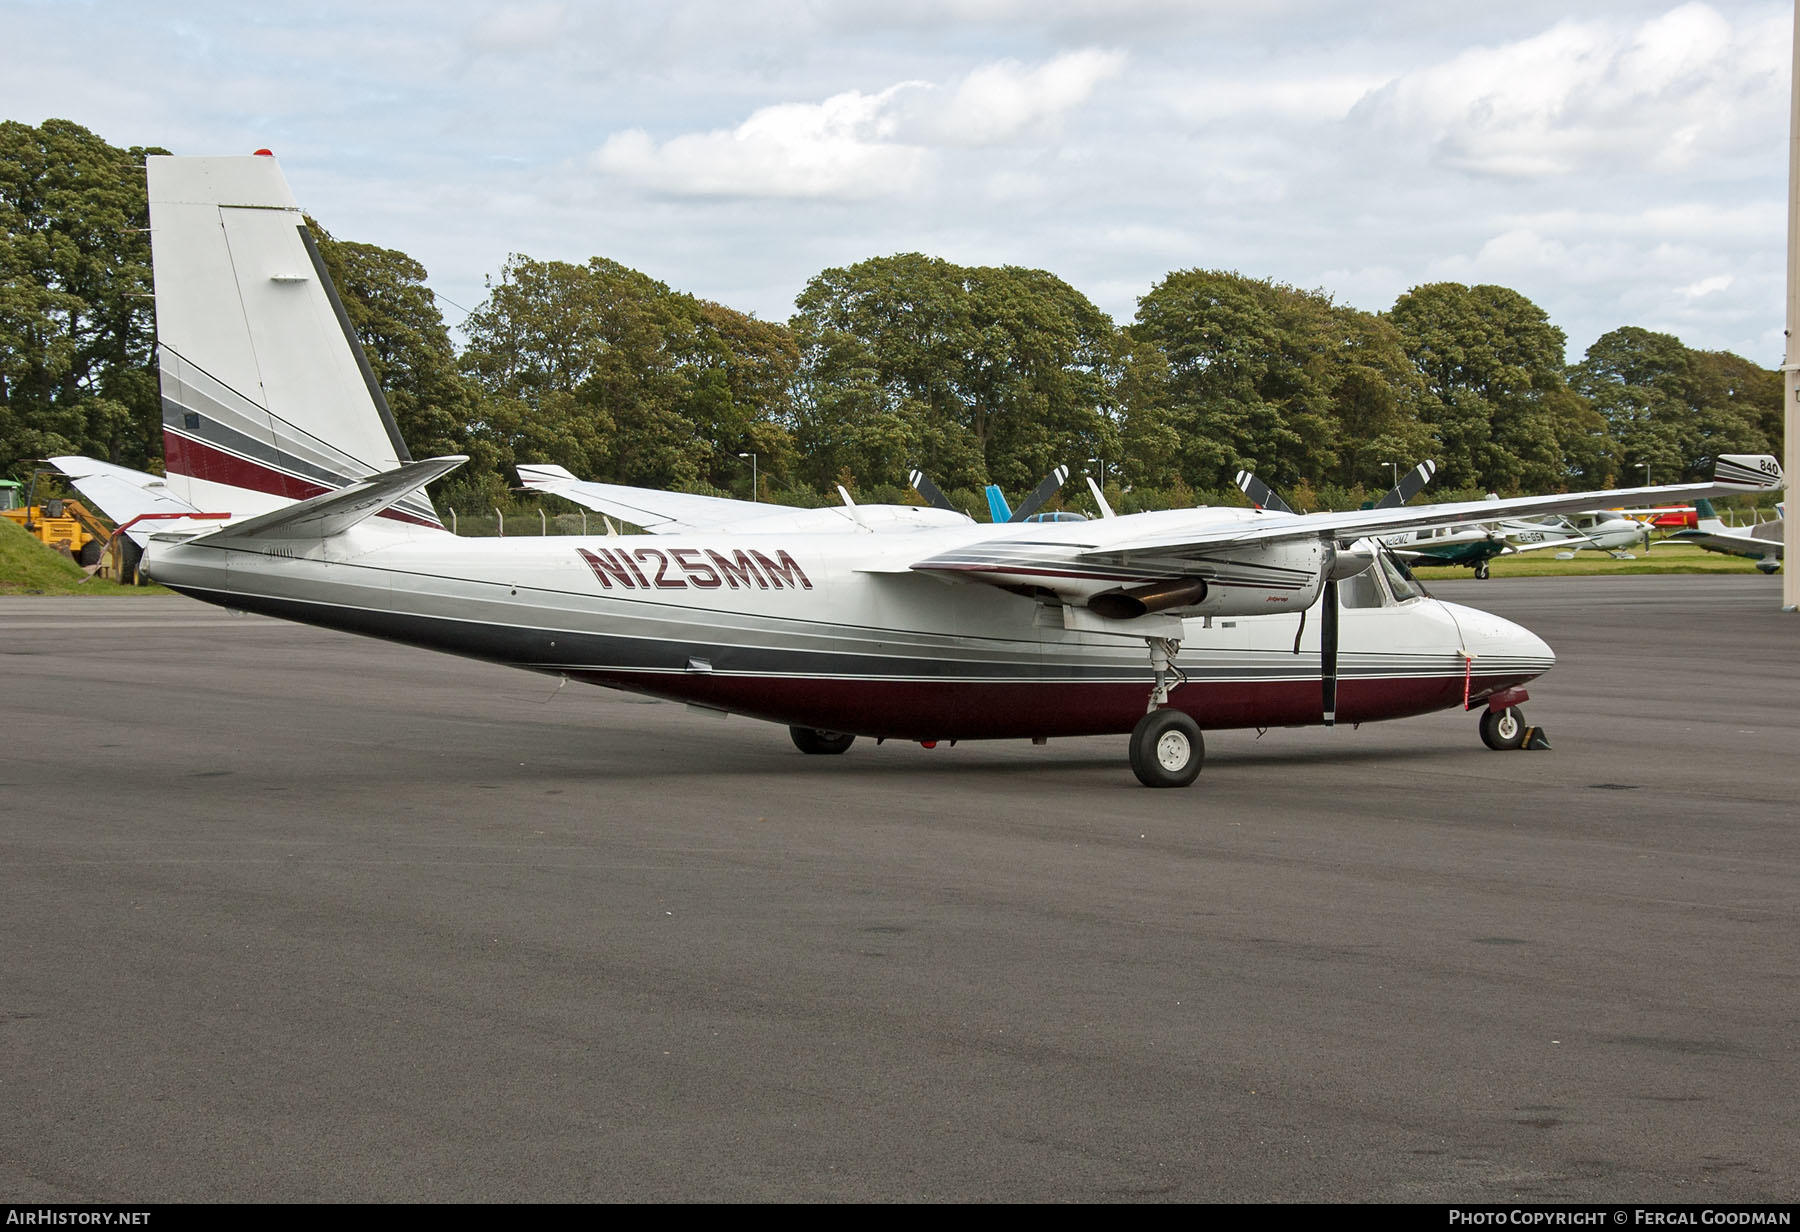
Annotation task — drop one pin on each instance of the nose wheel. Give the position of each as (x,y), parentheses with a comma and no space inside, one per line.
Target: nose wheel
(1506,729)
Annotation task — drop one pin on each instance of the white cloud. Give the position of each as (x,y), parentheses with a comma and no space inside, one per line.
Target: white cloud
(1707,286)
(857,145)
(1593,95)
(842,147)
(518,28)
(1002,101)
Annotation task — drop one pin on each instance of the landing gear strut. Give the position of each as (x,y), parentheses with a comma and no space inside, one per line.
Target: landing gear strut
(1166,747)
(1481,570)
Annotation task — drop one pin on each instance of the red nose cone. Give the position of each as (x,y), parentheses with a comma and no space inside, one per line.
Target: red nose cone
(265,154)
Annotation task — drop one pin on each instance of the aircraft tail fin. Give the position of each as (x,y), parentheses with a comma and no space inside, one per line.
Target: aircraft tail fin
(998,509)
(267,396)
(1756,472)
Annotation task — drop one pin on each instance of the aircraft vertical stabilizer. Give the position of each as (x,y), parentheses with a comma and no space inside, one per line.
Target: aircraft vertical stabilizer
(267,396)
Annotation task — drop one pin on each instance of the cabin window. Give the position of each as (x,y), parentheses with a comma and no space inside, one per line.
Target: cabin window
(1361,591)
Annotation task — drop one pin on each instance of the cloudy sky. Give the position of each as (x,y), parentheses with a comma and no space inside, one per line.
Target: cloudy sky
(1625,166)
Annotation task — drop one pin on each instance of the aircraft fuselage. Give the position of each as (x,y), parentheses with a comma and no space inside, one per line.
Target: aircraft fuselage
(816,631)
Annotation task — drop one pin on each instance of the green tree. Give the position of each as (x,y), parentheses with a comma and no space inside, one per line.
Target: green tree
(76,365)
(976,374)
(1280,380)
(608,372)
(1494,366)
(1671,408)
(396,318)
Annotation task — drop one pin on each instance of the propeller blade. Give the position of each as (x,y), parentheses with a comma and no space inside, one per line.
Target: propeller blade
(1260,494)
(1041,494)
(933,495)
(1410,485)
(1106,510)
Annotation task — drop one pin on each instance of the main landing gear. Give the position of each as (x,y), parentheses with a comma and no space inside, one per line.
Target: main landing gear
(1481,570)
(1166,747)
(816,740)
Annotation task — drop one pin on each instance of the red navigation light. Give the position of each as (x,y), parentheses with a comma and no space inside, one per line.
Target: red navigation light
(265,154)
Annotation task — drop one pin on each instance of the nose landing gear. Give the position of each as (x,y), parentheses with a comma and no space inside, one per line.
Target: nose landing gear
(1506,729)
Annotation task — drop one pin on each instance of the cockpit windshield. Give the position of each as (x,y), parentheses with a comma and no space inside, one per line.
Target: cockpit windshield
(1399,578)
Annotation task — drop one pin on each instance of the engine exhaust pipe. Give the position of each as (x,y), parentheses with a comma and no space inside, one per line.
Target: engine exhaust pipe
(1142,600)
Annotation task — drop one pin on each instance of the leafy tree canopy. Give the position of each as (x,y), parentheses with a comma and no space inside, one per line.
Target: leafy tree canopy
(76,372)
(977,374)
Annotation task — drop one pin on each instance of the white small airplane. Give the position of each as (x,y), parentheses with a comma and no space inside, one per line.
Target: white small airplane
(1763,542)
(1603,531)
(289,492)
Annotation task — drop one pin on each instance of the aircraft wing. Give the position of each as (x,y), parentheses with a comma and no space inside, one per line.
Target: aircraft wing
(660,513)
(1230,561)
(1733,474)
(1762,539)
(675,513)
(137,501)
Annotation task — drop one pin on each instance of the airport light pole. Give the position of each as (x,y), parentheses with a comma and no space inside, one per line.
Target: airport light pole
(1646,469)
(752,458)
(1393,474)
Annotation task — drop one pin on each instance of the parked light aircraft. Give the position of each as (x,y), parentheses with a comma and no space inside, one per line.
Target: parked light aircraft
(896,622)
(1763,542)
(1468,544)
(1476,545)
(1596,531)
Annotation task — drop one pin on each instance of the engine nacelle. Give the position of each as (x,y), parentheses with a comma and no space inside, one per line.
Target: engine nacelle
(1155,597)
(1347,562)
(1250,581)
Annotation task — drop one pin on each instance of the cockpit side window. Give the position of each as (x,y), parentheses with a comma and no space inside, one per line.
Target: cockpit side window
(1399,579)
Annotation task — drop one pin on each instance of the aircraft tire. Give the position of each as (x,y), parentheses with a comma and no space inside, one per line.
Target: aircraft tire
(1166,749)
(1481,570)
(1503,729)
(818,741)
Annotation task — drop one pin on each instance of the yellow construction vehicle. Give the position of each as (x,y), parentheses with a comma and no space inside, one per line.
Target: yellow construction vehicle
(66,526)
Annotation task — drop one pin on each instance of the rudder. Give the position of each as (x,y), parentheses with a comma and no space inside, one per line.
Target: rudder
(267,396)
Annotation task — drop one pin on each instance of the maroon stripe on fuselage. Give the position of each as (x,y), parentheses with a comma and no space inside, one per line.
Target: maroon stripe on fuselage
(959,710)
(185,456)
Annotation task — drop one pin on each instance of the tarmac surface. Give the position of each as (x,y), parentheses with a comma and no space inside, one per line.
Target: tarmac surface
(293,916)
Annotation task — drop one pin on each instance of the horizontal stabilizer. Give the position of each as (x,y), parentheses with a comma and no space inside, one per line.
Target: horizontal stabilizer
(321,517)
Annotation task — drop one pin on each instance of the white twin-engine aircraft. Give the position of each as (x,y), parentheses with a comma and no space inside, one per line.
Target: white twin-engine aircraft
(890,622)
